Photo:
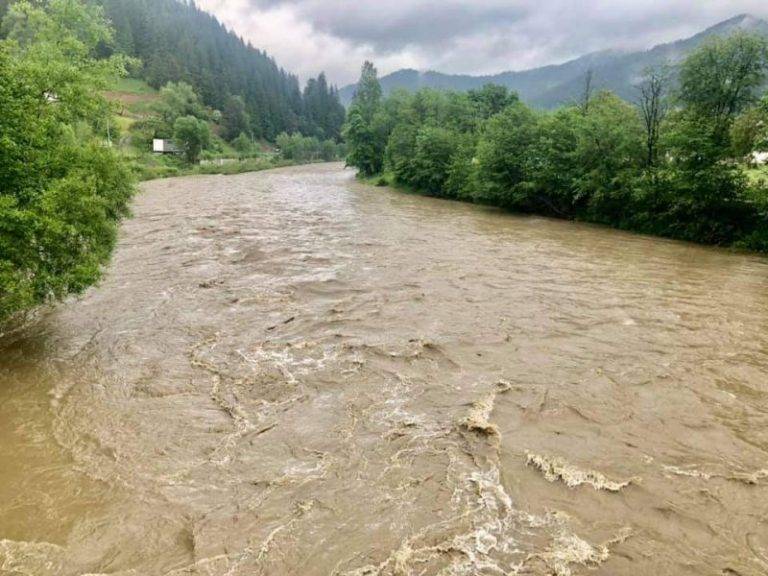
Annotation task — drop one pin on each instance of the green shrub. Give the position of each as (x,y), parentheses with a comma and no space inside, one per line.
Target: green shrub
(62,190)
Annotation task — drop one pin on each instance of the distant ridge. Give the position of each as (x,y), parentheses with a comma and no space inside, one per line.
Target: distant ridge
(551,86)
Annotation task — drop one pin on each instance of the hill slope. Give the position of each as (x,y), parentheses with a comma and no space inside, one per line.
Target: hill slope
(550,86)
(177,41)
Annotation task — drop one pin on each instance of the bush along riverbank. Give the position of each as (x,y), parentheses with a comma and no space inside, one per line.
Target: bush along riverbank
(673,163)
(62,191)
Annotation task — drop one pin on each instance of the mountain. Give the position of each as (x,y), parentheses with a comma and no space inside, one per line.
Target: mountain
(550,86)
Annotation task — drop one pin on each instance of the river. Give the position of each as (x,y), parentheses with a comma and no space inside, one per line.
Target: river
(292,373)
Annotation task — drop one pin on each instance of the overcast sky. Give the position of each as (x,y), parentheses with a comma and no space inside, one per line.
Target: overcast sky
(460,36)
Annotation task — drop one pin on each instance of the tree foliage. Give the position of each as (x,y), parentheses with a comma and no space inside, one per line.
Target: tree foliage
(178,99)
(191,135)
(235,118)
(323,113)
(308,148)
(749,132)
(720,80)
(364,132)
(505,160)
(62,190)
(654,105)
(243,144)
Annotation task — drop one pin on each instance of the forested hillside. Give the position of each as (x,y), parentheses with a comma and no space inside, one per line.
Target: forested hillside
(176,41)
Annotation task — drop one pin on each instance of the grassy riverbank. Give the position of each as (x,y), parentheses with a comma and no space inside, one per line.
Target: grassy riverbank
(148,167)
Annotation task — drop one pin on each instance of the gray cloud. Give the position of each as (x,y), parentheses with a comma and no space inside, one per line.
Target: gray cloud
(460,36)
(391,26)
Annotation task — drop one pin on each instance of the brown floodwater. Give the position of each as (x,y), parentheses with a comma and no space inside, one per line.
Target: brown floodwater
(292,373)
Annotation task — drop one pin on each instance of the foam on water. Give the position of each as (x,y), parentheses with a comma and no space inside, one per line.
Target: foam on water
(557,469)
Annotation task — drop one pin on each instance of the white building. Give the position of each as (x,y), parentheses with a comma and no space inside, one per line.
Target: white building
(760,158)
(160,146)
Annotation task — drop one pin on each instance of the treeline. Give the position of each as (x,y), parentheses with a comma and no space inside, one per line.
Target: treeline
(670,164)
(178,42)
(298,148)
(62,190)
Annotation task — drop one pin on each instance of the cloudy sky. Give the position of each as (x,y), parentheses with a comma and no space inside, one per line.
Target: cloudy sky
(460,36)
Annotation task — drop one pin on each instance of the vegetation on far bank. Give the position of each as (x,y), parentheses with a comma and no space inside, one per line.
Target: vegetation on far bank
(163,168)
(208,141)
(672,164)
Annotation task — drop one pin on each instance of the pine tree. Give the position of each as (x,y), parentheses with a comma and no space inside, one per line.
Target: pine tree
(365,137)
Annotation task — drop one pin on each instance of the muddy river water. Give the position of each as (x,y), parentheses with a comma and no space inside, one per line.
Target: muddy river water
(291,373)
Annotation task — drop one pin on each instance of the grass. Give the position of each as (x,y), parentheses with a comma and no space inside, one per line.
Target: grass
(758,175)
(124,123)
(133,86)
(133,97)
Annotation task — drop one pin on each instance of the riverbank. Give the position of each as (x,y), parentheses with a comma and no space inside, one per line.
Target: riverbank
(757,194)
(154,169)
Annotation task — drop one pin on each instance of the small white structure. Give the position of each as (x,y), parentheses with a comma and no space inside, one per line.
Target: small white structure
(759,158)
(160,146)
